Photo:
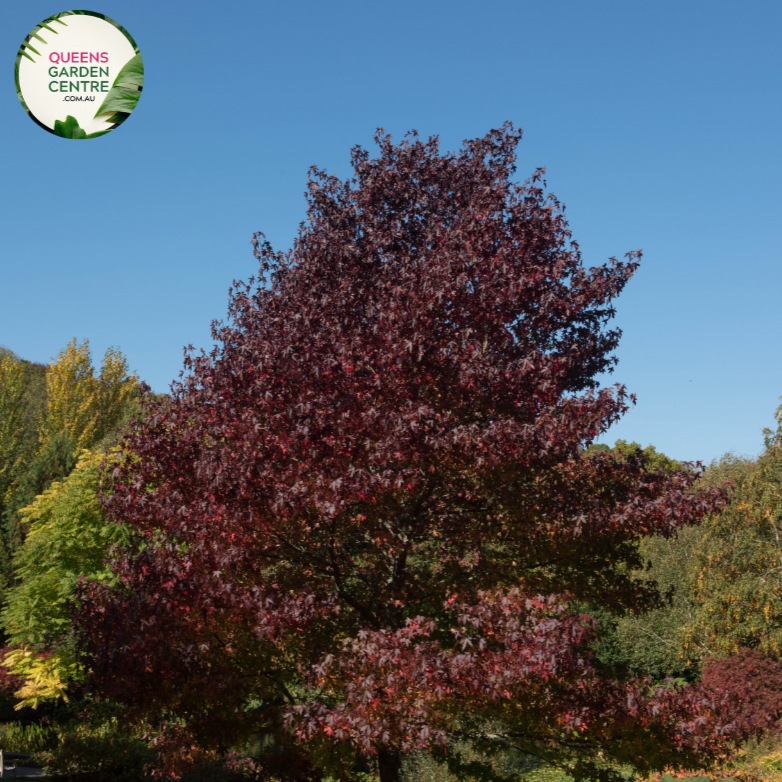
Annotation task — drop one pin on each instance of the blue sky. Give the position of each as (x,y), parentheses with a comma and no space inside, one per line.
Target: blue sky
(658,124)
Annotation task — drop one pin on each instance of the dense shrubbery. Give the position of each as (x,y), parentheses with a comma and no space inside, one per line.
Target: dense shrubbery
(32,739)
(739,582)
(756,679)
(53,533)
(68,540)
(92,745)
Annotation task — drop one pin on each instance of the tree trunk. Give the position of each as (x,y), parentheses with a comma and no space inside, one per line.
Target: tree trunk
(389,762)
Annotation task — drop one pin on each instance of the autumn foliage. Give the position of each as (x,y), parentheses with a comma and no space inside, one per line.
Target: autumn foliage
(363,518)
(739,585)
(85,405)
(9,682)
(754,678)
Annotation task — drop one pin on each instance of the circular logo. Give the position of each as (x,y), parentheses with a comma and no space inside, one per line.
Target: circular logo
(79,74)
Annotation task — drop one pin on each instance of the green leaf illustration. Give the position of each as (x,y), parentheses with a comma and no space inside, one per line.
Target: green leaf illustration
(120,116)
(132,72)
(121,98)
(27,46)
(69,129)
(56,18)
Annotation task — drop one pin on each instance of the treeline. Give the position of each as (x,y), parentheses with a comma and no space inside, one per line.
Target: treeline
(719,583)
(57,423)
(49,416)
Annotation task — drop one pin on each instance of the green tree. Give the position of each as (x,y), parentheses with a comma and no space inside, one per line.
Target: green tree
(666,641)
(672,640)
(34,403)
(53,463)
(651,642)
(12,420)
(67,407)
(654,459)
(68,539)
(21,410)
(739,580)
(656,642)
(33,397)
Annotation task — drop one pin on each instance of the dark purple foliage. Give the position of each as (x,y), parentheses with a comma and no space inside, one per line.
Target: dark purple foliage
(368,508)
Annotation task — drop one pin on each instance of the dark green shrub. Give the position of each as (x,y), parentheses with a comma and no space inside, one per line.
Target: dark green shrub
(35,740)
(97,750)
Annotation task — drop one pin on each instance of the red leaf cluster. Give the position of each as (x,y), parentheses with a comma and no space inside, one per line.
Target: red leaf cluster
(754,678)
(524,659)
(9,682)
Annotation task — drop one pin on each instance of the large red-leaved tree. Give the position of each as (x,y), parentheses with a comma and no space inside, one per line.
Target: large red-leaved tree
(364,517)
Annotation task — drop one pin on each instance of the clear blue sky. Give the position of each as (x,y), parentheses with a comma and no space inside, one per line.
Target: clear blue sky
(659,124)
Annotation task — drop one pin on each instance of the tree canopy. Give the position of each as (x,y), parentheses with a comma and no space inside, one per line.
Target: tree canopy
(653,458)
(68,541)
(367,513)
(63,409)
(85,405)
(11,419)
(738,579)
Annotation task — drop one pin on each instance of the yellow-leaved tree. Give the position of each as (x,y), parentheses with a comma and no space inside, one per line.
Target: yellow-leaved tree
(739,583)
(85,405)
